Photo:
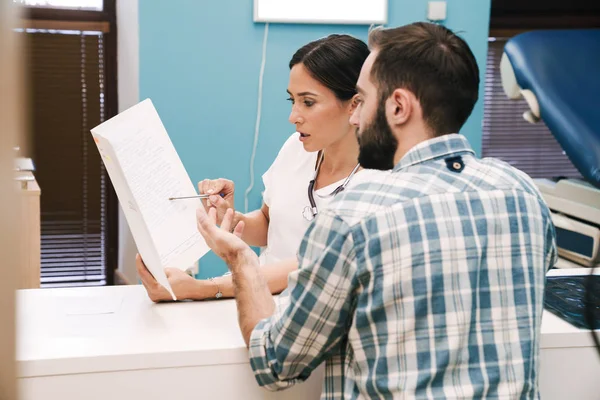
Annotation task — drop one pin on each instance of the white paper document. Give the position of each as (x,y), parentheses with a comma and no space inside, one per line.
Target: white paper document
(145,171)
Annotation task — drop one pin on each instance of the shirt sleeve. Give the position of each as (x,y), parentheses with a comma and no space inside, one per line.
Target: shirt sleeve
(285,348)
(267,179)
(551,251)
(279,162)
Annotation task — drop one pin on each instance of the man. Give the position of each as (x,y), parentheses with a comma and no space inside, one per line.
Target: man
(427,281)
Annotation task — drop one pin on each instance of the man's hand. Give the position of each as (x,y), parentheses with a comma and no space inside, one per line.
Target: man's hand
(182,284)
(229,246)
(252,295)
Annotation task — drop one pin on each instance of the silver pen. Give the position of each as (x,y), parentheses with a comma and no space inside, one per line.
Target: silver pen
(199,196)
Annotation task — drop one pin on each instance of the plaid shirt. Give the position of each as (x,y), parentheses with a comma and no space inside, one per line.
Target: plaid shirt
(425,282)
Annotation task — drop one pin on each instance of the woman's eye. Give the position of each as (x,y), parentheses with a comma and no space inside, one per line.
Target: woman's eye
(309,103)
(290,100)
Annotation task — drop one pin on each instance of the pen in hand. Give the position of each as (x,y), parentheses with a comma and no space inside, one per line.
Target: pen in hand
(199,196)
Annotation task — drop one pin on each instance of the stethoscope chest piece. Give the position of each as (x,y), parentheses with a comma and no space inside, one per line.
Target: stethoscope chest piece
(308,213)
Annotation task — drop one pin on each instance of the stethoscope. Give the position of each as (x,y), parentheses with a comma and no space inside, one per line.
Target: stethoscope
(310,212)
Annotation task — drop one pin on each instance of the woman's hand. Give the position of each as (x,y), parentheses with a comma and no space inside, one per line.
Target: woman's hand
(184,286)
(222,193)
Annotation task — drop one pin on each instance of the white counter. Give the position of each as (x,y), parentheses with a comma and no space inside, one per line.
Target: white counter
(114,343)
(126,347)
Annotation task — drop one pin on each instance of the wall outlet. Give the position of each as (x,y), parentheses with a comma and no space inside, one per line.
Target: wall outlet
(436,11)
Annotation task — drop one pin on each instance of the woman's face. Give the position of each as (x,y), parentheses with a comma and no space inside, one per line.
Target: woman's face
(320,117)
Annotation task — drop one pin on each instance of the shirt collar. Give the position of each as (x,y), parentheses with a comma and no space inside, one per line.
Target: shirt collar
(441,146)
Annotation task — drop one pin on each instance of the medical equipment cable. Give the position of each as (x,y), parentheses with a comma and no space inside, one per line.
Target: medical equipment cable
(589,308)
(258,115)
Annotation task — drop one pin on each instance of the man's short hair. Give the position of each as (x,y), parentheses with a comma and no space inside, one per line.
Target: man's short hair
(434,64)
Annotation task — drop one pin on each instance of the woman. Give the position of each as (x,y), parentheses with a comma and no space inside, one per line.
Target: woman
(313,165)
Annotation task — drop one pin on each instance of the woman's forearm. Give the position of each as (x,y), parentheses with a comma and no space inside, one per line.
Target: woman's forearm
(275,274)
(256,226)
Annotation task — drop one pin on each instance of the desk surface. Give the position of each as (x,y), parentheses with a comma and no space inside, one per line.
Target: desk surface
(85,330)
(63,331)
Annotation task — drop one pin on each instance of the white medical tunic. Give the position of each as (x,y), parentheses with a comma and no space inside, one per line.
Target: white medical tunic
(286,194)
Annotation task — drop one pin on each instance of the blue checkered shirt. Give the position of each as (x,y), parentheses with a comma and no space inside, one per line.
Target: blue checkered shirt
(425,282)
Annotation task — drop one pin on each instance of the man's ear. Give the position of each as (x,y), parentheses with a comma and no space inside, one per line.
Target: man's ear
(399,107)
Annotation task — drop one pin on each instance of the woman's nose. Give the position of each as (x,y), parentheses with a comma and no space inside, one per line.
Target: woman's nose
(295,117)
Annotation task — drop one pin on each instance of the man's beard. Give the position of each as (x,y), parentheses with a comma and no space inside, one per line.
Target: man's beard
(377,144)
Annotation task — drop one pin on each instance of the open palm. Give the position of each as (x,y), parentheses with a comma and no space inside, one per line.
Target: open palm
(228,246)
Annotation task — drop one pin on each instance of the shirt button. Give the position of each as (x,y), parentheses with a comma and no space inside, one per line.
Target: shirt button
(455,164)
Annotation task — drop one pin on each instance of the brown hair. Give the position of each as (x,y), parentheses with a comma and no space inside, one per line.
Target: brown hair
(335,61)
(434,64)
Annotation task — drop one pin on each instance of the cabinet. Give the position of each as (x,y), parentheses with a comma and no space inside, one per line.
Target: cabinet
(28,276)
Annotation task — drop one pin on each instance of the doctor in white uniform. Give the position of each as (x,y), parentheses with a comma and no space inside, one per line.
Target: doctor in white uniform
(316,162)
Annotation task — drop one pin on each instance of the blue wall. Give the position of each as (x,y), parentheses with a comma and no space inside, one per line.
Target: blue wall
(200,62)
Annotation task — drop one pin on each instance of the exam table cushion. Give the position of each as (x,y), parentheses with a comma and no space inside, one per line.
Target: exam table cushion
(562,68)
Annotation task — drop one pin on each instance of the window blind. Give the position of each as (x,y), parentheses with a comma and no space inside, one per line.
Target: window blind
(67,92)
